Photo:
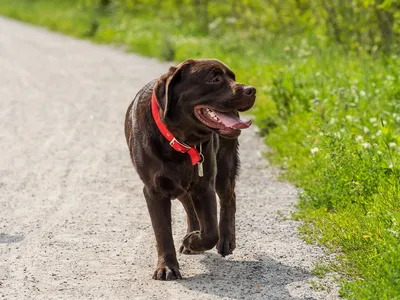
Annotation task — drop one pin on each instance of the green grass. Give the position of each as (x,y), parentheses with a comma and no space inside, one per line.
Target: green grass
(331,117)
(338,135)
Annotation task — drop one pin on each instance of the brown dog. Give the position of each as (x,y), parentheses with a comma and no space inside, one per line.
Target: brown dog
(182,132)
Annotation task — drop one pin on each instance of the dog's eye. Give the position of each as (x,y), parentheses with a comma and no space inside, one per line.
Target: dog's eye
(216,79)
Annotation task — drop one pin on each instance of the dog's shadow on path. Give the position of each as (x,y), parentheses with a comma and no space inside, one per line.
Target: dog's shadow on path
(9,239)
(263,278)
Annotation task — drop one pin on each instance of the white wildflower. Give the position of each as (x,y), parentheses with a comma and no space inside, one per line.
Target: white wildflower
(373,120)
(389,78)
(231,20)
(392,145)
(366,130)
(366,145)
(390,166)
(349,118)
(392,231)
(314,150)
(359,138)
(379,133)
(363,93)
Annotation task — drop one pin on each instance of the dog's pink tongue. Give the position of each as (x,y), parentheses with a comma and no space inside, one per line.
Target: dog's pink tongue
(232,121)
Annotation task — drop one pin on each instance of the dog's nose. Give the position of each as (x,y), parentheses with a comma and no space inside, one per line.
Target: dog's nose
(249,91)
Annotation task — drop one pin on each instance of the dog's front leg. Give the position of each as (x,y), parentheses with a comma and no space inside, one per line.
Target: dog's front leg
(159,208)
(227,238)
(228,165)
(205,204)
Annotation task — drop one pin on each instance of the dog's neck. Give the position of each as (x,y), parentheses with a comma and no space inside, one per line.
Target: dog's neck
(182,132)
(176,138)
(189,136)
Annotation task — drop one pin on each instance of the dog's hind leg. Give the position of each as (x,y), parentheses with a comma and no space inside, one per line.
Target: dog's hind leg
(192,222)
(159,208)
(191,218)
(205,205)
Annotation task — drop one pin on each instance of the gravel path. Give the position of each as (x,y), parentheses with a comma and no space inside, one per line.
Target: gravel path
(73,221)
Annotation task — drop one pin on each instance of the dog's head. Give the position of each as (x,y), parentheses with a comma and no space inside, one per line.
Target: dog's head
(203,96)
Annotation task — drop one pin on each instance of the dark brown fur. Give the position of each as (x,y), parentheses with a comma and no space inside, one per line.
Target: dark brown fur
(168,174)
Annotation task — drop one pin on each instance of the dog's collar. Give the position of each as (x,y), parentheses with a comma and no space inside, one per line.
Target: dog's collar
(195,156)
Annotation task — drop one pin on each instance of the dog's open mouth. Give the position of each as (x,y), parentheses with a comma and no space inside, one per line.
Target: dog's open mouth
(225,122)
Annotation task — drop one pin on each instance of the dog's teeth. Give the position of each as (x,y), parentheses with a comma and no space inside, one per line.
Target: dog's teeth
(212,115)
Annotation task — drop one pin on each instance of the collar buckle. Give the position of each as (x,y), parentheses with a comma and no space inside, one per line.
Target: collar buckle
(179,146)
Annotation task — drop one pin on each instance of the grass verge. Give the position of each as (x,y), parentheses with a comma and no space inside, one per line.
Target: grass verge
(331,118)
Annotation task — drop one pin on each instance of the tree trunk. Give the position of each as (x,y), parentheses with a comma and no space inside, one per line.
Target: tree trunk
(201,11)
(332,20)
(105,3)
(386,24)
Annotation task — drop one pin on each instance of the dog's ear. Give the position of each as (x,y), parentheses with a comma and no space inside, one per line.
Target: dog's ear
(165,85)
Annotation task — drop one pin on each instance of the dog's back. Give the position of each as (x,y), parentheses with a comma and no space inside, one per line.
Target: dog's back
(143,95)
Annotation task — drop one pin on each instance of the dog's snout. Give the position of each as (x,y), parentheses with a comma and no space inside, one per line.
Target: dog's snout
(248,98)
(249,91)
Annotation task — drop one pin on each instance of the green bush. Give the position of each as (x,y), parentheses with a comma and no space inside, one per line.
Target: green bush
(327,78)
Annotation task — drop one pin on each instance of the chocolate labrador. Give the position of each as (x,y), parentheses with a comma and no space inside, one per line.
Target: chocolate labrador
(182,132)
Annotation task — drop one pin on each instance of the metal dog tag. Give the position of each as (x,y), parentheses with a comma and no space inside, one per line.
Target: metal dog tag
(200,169)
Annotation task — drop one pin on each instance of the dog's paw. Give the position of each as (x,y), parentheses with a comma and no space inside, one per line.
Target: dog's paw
(187,251)
(192,243)
(199,242)
(191,240)
(226,244)
(167,273)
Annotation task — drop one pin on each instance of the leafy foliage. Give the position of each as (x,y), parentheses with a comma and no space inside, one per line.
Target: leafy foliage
(327,78)
(370,25)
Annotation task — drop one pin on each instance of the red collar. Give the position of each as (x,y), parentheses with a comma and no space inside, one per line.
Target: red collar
(178,146)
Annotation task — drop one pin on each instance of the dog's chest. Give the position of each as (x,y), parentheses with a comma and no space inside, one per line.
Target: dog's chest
(180,179)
